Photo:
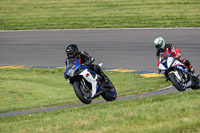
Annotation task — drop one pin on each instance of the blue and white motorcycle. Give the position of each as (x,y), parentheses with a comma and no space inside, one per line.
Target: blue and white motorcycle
(86,83)
(178,73)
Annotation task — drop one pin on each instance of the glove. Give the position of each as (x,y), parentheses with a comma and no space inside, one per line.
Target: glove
(159,71)
(88,63)
(92,59)
(66,76)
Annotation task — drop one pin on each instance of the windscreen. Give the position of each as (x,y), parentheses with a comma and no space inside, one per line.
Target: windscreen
(70,62)
(164,54)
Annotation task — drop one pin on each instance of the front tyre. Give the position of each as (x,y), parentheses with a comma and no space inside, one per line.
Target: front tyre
(111,94)
(84,95)
(180,86)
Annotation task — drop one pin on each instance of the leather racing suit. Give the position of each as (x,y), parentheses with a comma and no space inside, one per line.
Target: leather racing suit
(169,48)
(87,60)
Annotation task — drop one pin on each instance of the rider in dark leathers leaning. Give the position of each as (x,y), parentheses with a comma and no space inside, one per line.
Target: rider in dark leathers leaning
(73,52)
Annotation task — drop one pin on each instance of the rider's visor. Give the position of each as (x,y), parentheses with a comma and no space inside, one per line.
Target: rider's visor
(72,55)
(158,46)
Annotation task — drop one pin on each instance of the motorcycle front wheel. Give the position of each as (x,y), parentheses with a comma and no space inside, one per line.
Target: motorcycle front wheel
(180,86)
(84,94)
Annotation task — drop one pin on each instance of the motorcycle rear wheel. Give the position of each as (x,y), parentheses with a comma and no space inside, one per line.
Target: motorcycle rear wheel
(196,86)
(111,94)
(85,97)
(176,82)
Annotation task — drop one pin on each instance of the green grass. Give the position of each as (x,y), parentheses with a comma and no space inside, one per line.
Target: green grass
(78,14)
(28,88)
(172,113)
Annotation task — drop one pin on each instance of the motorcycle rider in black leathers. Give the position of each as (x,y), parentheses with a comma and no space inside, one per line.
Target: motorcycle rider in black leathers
(73,52)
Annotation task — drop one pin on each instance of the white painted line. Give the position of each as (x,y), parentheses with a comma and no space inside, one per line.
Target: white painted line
(167,87)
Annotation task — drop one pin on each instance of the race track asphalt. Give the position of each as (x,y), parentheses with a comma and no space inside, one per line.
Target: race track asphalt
(116,48)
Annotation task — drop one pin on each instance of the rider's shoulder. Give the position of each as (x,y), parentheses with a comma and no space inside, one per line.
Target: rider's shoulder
(169,45)
(84,53)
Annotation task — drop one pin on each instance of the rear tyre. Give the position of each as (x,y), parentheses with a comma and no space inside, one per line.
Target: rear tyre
(180,86)
(83,95)
(196,84)
(111,94)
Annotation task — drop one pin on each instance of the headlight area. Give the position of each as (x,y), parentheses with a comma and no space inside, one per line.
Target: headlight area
(74,72)
(71,72)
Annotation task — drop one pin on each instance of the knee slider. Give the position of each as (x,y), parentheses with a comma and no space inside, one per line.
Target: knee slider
(186,62)
(97,67)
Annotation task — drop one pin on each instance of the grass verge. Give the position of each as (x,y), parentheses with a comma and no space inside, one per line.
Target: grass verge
(79,14)
(177,113)
(28,88)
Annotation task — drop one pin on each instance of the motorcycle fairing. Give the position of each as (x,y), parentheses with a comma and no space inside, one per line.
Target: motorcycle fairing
(170,60)
(74,67)
(93,80)
(178,65)
(161,67)
(176,73)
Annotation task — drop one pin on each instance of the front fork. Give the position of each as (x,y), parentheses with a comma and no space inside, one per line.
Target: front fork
(166,75)
(84,85)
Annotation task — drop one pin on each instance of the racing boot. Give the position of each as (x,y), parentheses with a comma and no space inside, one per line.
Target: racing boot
(97,69)
(192,70)
(188,64)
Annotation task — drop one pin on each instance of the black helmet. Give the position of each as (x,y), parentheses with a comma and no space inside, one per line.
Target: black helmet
(72,50)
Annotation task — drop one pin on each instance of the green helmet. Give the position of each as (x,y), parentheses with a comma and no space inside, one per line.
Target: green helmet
(159,43)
